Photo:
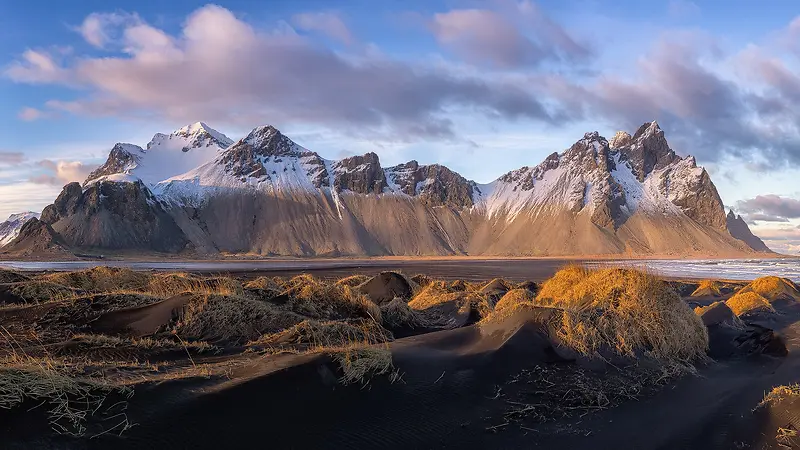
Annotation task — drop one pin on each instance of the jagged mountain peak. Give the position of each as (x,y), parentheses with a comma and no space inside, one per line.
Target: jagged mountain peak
(647,150)
(196,135)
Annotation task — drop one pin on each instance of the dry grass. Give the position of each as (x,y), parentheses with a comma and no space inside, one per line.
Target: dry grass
(353,280)
(779,394)
(101,279)
(773,288)
(359,363)
(748,302)
(438,293)
(321,300)
(397,314)
(231,319)
(317,335)
(9,276)
(171,284)
(70,400)
(145,343)
(40,291)
(708,287)
(421,280)
(719,313)
(625,310)
(514,297)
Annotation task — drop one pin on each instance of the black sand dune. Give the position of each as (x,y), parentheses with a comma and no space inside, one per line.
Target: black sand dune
(143,320)
(505,383)
(454,390)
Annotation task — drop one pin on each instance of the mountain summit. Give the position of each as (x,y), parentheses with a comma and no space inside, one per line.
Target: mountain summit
(195,190)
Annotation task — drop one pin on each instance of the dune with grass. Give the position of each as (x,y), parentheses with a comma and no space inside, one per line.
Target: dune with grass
(98,357)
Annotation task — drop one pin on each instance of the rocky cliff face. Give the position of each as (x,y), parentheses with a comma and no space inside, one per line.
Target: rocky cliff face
(36,238)
(10,228)
(265,194)
(738,229)
(360,174)
(434,184)
(112,215)
(647,150)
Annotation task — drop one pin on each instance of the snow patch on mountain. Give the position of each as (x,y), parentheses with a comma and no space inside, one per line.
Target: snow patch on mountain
(164,156)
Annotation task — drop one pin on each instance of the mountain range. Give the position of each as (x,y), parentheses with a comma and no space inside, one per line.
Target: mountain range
(197,192)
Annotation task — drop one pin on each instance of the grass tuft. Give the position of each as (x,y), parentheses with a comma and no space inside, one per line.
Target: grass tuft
(625,310)
(314,334)
(397,314)
(353,280)
(708,288)
(748,302)
(318,299)
(231,319)
(773,288)
(359,363)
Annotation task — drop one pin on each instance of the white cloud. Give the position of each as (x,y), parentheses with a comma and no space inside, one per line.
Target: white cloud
(26,196)
(222,69)
(59,173)
(99,29)
(327,23)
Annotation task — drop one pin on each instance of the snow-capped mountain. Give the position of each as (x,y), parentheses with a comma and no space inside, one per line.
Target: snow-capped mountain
(10,228)
(164,156)
(264,194)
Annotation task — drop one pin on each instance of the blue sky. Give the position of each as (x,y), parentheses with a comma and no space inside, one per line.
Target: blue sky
(483,87)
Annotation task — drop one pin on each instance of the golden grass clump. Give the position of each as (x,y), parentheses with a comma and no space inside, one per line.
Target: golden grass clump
(780,393)
(359,362)
(264,286)
(171,284)
(718,313)
(102,279)
(748,302)
(434,293)
(231,319)
(773,288)
(319,335)
(625,310)
(708,287)
(514,297)
(438,293)
(421,279)
(318,299)
(353,280)
(40,291)
(397,314)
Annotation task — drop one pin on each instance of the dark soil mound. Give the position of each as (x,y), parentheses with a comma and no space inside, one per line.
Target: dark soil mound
(495,288)
(385,287)
(718,313)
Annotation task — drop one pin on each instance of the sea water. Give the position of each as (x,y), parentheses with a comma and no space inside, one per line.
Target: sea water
(722,269)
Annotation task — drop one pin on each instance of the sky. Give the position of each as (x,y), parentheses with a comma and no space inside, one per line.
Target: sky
(482,87)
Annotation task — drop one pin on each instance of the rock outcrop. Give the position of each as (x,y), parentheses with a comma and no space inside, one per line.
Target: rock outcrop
(10,228)
(115,216)
(738,228)
(36,238)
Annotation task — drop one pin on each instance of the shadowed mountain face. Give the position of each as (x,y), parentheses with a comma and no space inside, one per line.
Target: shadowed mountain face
(265,194)
(739,229)
(10,228)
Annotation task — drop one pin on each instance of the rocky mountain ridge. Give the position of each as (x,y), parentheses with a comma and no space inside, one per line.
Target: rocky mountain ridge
(264,194)
(11,227)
